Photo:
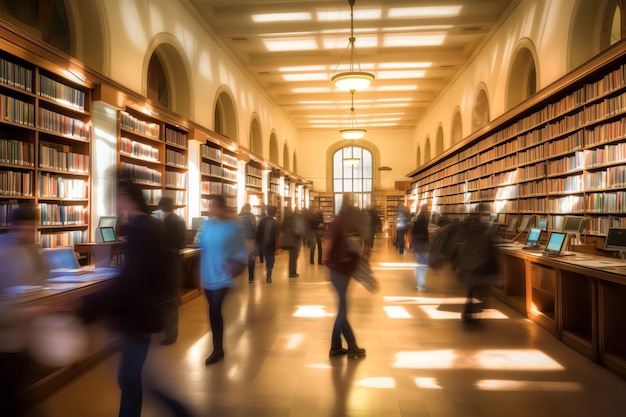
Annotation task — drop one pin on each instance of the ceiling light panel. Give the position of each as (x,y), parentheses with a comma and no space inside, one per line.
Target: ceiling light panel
(280,17)
(287,44)
(427,11)
(363,41)
(434,39)
(320,76)
(395,75)
(404,65)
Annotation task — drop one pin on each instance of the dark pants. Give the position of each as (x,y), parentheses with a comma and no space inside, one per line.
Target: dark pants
(215,298)
(13,369)
(340,282)
(170,319)
(293,259)
(401,233)
(133,353)
(316,240)
(270,257)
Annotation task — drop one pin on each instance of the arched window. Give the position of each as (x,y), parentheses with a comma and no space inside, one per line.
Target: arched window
(224,116)
(522,81)
(158,86)
(353,173)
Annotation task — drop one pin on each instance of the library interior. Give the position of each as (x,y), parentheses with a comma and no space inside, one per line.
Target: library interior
(517,106)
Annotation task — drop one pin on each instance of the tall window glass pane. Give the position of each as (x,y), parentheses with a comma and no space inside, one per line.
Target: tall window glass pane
(353,172)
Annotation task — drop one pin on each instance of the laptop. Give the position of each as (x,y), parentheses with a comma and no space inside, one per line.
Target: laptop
(532,241)
(63,261)
(555,244)
(108,234)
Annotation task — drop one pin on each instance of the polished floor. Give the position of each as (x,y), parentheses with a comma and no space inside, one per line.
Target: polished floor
(422,361)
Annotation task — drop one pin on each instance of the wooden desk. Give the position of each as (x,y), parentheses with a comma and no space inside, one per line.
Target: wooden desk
(101,253)
(580,299)
(190,286)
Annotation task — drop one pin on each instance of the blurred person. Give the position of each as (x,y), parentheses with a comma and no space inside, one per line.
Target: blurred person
(477,260)
(267,240)
(342,264)
(374,224)
(22,263)
(224,255)
(402,224)
(135,301)
(420,243)
(248,221)
(291,239)
(177,232)
(316,226)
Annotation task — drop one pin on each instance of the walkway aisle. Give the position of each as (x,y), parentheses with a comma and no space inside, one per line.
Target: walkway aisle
(421,360)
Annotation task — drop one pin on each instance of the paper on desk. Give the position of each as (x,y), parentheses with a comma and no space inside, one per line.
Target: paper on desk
(598,263)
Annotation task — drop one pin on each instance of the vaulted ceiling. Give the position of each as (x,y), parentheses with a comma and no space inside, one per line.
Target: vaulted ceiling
(293,47)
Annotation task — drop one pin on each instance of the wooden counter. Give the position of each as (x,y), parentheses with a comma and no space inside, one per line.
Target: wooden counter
(579,298)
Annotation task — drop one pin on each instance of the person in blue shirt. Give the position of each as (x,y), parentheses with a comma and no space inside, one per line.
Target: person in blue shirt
(224,255)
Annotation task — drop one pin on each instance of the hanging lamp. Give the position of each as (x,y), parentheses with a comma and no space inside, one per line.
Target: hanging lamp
(353,132)
(351,80)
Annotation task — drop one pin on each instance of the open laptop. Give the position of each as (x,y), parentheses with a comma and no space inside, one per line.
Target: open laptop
(555,244)
(532,241)
(108,234)
(64,267)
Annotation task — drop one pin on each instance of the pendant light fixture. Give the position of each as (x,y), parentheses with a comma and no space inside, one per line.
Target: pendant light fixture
(351,80)
(353,132)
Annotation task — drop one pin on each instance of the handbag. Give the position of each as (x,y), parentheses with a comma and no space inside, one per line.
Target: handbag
(354,244)
(365,275)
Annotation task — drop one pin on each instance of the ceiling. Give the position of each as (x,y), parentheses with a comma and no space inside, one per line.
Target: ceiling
(293,47)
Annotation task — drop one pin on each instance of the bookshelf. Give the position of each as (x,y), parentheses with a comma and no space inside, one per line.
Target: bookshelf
(561,152)
(274,192)
(218,171)
(154,154)
(254,187)
(45,148)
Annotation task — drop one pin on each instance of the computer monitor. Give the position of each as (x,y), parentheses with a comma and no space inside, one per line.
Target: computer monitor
(107,221)
(542,224)
(615,239)
(527,222)
(555,243)
(511,226)
(61,257)
(533,237)
(108,234)
(196,223)
(573,224)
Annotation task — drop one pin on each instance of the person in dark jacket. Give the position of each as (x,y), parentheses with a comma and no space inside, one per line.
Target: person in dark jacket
(177,235)
(267,240)
(134,301)
(291,239)
(248,221)
(316,227)
(420,243)
(342,264)
(402,225)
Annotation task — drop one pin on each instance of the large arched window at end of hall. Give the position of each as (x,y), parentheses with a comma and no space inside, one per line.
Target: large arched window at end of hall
(44,19)
(225,116)
(353,173)
(522,82)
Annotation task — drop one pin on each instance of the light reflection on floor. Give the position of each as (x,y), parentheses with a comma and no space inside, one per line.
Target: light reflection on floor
(495,359)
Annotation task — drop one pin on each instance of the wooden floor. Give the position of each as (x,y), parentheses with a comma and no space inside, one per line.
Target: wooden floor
(422,361)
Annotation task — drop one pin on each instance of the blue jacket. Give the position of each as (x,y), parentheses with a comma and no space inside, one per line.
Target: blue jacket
(221,241)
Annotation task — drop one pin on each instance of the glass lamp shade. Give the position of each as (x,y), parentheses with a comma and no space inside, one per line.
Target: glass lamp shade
(351,161)
(353,133)
(353,80)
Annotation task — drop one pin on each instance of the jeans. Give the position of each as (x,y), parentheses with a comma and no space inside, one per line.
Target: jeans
(133,352)
(421,259)
(316,240)
(215,298)
(340,282)
(293,259)
(401,233)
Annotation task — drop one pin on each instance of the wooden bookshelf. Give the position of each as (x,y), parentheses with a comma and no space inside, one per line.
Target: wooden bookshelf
(561,152)
(254,188)
(45,148)
(218,171)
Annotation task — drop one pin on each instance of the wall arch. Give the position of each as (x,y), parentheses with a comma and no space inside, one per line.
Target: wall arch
(523,74)
(274,149)
(225,114)
(371,147)
(456,131)
(480,110)
(294,166)
(286,163)
(427,156)
(168,50)
(439,143)
(91,44)
(419,156)
(256,138)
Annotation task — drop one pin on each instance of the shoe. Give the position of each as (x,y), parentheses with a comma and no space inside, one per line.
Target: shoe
(268,280)
(294,275)
(214,358)
(166,342)
(320,263)
(250,281)
(337,351)
(422,289)
(468,318)
(356,353)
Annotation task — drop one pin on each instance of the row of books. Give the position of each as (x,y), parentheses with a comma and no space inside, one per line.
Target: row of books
(609,82)
(61,93)
(601,225)
(567,164)
(175,137)
(177,195)
(16,152)
(141,173)
(606,154)
(152,196)
(52,158)
(175,158)
(211,153)
(16,75)
(63,125)
(218,171)
(210,187)
(17,111)
(16,183)
(63,239)
(608,106)
(532,188)
(130,122)
(53,214)
(138,150)
(254,182)
(253,171)
(175,179)
(55,186)
(606,132)
(606,202)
